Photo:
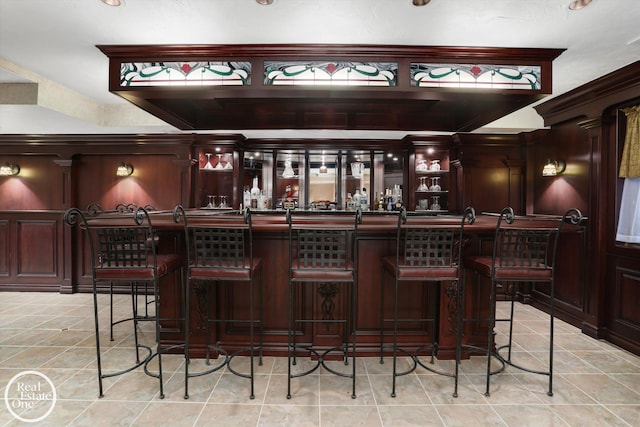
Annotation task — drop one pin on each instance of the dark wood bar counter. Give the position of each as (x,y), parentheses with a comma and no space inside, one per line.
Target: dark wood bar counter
(376,239)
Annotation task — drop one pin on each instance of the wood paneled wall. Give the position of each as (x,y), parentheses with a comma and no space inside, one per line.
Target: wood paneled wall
(587,128)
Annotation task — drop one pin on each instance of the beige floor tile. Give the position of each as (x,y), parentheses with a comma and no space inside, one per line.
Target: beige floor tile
(350,416)
(102,413)
(289,415)
(529,416)
(410,416)
(593,380)
(604,388)
(229,415)
(172,414)
(469,415)
(588,415)
(629,413)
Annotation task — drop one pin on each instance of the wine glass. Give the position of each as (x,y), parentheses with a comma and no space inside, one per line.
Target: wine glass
(435,203)
(212,201)
(219,165)
(423,185)
(208,165)
(229,164)
(435,184)
(223,202)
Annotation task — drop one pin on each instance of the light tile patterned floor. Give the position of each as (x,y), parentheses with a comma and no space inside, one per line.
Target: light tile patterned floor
(596,384)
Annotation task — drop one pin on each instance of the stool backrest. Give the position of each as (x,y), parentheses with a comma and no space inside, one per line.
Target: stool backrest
(117,240)
(322,240)
(222,240)
(529,241)
(425,240)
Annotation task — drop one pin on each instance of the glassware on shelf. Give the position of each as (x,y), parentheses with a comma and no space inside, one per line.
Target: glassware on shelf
(423,185)
(219,165)
(229,164)
(423,204)
(435,165)
(208,165)
(357,169)
(212,202)
(435,203)
(421,166)
(288,170)
(435,184)
(223,202)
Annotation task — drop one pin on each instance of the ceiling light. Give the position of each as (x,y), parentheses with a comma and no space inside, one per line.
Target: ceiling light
(112,2)
(264,2)
(420,2)
(579,4)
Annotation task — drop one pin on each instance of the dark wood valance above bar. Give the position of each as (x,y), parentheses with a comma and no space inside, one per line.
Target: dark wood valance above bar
(321,86)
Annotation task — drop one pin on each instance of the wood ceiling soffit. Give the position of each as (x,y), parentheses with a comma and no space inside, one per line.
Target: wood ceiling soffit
(257,106)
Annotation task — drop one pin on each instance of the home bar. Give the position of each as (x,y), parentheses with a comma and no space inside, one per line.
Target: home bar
(400,88)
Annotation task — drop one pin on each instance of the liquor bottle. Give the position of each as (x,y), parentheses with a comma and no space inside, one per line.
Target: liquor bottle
(356,199)
(349,205)
(246,197)
(364,200)
(255,193)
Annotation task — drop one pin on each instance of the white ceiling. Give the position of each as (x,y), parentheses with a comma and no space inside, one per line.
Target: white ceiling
(52,42)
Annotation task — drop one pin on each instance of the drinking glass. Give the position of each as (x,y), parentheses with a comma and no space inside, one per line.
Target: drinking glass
(208,165)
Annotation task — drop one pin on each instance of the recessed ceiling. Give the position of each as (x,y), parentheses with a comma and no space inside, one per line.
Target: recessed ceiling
(43,41)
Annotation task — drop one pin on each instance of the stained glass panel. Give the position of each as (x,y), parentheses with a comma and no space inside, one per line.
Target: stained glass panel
(481,76)
(332,73)
(185,74)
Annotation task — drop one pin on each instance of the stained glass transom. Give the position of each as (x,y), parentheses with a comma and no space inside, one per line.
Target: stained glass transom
(330,73)
(470,76)
(185,74)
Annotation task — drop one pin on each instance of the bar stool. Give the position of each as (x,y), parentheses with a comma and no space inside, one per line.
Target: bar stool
(524,252)
(134,288)
(220,251)
(323,259)
(123,250)
(428,250)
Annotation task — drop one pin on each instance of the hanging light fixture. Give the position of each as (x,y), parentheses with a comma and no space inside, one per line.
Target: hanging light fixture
(8,169)
(264,2)
(124,169)
(112,2)
(553,168)
(579,4)
(420,2)
(323,168)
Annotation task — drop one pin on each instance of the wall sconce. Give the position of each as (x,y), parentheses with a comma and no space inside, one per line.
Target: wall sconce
(554,168)
(124,169)
(9,170)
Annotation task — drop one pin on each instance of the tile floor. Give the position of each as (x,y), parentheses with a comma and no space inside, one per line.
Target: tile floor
(596,384)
